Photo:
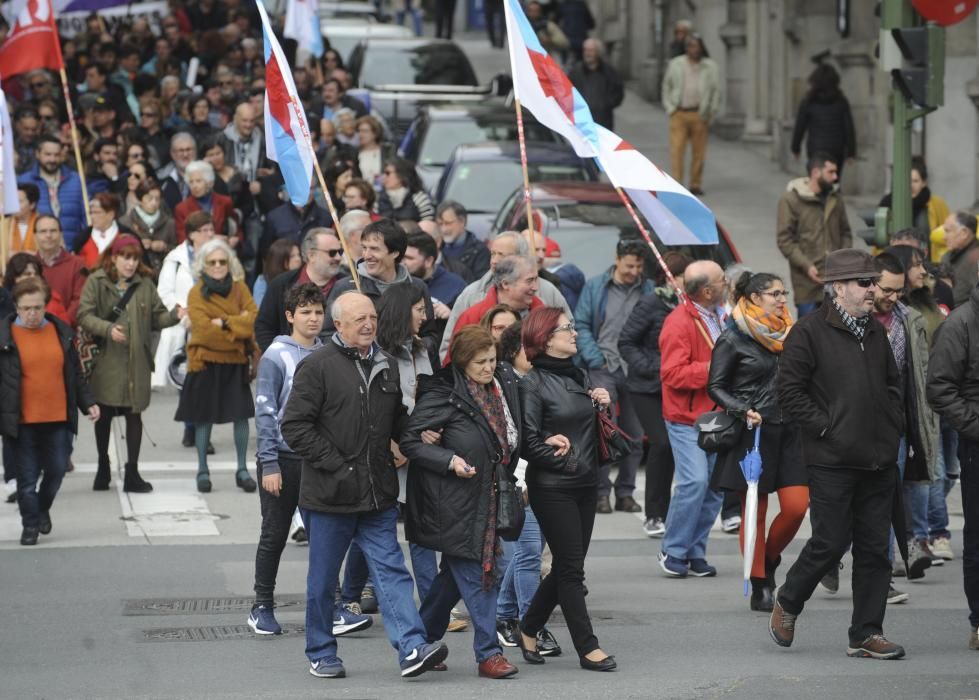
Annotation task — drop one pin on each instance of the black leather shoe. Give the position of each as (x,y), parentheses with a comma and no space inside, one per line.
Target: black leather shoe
(604,506)
(761,595)
(606,664)
(245,482)
(546,644)
(45,527)
(531,656)
(204,482)
(29,536)
(627,504)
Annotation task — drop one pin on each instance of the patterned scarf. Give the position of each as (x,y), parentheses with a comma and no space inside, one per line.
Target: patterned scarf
(769,330)
(490,403)
(857,326)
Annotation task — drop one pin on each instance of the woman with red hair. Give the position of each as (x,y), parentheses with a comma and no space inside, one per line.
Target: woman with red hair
(560,444)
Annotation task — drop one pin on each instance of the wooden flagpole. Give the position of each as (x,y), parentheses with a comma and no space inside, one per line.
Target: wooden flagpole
(74,138)
(649,240)
(526,177)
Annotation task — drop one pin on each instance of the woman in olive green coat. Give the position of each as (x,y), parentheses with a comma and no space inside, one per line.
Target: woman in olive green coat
(121,375)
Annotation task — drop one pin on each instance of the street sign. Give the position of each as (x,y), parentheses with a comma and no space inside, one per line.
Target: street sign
(945,12)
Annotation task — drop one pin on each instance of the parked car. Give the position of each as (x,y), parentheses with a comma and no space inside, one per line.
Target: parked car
(480,176)
(346,32)
(438,129)
(348,8)
(402,74)
(587,219)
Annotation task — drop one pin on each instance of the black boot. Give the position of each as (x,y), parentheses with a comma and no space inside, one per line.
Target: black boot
(770,567)
(761,595)
(102,476)
(133,482)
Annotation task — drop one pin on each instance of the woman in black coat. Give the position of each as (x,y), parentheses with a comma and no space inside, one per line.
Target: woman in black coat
(560,444)
(451,499)
(743,370)
(824,119)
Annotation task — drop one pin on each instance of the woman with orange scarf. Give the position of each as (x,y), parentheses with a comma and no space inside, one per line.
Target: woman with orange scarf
(743,369)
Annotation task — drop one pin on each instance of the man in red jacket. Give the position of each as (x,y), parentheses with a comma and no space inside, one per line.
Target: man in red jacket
(514,284)
(685,344)
(64,272)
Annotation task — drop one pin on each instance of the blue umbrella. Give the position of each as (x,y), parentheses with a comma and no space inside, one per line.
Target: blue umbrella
(751,468)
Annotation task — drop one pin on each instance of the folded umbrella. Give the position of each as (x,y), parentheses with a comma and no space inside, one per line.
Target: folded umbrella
(751,468)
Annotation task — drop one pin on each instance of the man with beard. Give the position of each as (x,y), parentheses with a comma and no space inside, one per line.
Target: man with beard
(811,224)
(838,379)
(59,185)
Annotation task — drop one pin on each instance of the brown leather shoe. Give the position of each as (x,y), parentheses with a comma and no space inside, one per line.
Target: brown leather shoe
(497,666)
(782,625)
(877,647)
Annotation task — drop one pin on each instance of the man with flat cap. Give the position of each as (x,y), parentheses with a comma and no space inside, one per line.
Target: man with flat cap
(838,380)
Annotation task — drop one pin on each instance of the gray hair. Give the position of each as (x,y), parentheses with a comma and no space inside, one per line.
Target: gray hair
(309,240)
(202,167)
(453,206)
(167,79)
(523,248)
(829,290)
(341,113)
(694,284)
(354,221)
(336,308)
(182,136)
(212,246)
(510,268)
(967,220)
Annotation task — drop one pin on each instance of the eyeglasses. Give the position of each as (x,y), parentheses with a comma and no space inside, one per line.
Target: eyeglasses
(778,294)
(147,114)
(332,252)
(223,262)
(136,175)
(866,282)
(569,327)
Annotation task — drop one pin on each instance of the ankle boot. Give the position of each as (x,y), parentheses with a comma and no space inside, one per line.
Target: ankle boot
(770,567)
(102,476)
(204,481)
(133,482)
(761,595)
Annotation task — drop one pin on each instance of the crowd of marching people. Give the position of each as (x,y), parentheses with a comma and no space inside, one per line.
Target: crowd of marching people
(494,400)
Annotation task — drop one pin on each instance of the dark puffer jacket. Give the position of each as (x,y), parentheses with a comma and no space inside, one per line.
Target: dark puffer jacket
(742,376)
(557,405)
(445,512)
(827,126)
(844,393)
(953,369)
(639,341)
(340,418)
(77,391)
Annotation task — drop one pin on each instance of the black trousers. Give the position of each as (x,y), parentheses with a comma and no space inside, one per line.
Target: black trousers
(277,514)
(495,26)
(659,459)
(969,458)
(566,518)
(444,14)
(847,505)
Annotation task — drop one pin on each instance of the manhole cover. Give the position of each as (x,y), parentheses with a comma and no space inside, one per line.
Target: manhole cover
(204,606)
(217,633)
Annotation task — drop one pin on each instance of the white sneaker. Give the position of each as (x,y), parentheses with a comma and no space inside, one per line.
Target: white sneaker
(941,547)
(654,527)
(732,524)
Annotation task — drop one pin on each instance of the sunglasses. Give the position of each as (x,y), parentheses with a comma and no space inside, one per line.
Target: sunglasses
(332,252)
(223,262)
(865,282)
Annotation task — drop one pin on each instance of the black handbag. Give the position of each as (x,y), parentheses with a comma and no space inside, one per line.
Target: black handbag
(510,514)
(718,431)
(613,443)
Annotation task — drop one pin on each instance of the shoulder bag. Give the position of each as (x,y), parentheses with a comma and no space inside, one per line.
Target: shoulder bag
(89,346)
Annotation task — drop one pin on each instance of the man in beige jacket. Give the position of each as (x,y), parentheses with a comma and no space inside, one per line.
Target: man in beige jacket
(812,223)
(692,97)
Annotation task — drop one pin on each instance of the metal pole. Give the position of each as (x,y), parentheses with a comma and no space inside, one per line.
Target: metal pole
(649,240)
(901,166)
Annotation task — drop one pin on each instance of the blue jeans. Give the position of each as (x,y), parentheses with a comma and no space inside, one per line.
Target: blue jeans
(416,17)
(522,573)
(915,501)
(356,574)
(425,568)
(39,447)
(376,533)
(462,578)
(948,470)
(694,506)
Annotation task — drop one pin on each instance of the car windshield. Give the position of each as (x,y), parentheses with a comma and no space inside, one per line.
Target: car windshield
(443,136)
(483,187)
(429,64)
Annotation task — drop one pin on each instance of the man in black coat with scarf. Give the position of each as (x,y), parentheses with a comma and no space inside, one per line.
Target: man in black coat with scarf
(838,379)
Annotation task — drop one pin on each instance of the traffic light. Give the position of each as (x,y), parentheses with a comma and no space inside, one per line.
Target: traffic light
(923,80)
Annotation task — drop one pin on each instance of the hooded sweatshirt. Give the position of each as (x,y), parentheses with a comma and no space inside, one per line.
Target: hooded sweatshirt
(401,276)
(275,372)
(244,154)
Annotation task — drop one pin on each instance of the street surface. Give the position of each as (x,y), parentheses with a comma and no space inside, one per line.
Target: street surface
(146,596)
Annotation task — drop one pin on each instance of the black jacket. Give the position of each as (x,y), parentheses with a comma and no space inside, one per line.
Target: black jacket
(953,369)
(639,341)
(827,127)
(475,255)
(286,222)
(742,376)
(77,390)
(271,319)
(844,393)
(340,418)
(964,274)
(345,283)
(445,512)
(557,405)
(602,89)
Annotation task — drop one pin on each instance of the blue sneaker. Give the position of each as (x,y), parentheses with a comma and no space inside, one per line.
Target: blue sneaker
(700,567)
(423,658)
(677,568)
(345,621)
(327,668)
(262,620)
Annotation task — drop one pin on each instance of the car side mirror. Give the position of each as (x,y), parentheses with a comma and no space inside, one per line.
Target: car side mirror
(502,85)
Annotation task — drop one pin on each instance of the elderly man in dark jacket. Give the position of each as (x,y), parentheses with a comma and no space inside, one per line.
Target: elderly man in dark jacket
(344,409)
(953,391)
(598,82)
(839,381)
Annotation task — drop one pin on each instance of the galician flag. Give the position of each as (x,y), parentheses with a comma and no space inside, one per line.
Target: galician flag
(303,25)
(677,217)
(287,139)
(9,203)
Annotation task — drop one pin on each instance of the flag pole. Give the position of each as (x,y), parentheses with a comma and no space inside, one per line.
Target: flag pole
(526,176)
(649,240)
(74,141)
(301,118)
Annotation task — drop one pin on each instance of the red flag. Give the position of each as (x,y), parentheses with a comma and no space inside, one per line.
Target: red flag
(33,40)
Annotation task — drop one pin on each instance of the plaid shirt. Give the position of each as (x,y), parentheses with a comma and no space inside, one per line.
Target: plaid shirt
(711,319)
(857,326)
